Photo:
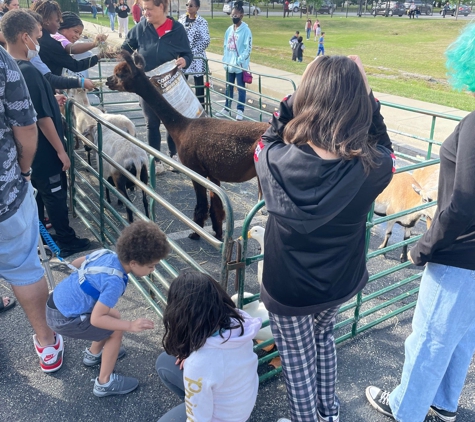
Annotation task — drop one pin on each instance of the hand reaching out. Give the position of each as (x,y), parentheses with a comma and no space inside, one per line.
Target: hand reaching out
(61,99)
(141,324)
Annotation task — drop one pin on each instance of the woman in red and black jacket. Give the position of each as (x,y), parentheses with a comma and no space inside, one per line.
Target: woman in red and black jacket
(159,39)
(321,164)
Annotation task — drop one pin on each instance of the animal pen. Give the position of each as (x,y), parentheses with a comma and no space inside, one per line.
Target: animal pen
(392,286)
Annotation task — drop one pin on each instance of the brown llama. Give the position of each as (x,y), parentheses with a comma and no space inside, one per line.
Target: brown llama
(221,150)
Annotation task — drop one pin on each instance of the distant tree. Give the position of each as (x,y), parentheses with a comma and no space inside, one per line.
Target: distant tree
(316,4)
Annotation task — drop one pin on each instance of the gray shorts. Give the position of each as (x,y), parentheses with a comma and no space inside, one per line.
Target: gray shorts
(75,327)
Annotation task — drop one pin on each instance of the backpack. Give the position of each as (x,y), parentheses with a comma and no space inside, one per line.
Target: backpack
(84,284)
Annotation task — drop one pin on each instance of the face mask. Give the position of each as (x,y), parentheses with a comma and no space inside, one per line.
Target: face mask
(32,53)
(236,20)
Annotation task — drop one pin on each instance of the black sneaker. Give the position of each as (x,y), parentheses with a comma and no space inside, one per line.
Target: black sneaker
(74,246)
(439,415)
(379,399)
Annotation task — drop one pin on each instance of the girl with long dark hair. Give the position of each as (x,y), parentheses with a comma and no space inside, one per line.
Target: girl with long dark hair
(208,361)
(320,171)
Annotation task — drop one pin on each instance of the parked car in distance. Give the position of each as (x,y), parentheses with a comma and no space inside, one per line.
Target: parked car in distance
(296,5)
(424,6)
(85,6)
(327,7)
(388,8)
(228,7)
(463,10)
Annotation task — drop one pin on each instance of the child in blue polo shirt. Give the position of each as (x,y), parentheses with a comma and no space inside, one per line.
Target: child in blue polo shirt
(82,305)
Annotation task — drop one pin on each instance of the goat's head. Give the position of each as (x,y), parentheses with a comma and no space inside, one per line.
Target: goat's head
(80,95)
(426,197)
(127,73)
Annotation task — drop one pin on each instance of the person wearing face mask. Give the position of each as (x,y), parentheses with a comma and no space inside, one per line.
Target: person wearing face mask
(51,161)
(237,52)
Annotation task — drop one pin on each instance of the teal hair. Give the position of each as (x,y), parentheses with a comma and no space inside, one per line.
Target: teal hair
(461,60)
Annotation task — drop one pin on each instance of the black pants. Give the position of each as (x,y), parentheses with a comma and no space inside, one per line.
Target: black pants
(199,88)
(152,123)
(53,195)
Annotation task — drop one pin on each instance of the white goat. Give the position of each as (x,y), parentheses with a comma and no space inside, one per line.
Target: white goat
(128,155)
(133,158)
(83,122)
(401,194)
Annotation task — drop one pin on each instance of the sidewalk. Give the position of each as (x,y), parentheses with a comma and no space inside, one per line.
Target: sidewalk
(399,120)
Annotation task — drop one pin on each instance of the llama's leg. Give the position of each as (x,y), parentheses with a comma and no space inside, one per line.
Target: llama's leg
(144,179)
(201,209)
(216,211)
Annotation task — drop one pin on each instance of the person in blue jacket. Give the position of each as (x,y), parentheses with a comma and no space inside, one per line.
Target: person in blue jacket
(237,52)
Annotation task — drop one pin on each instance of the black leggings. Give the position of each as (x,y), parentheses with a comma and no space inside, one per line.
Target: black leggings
(152,123)
(52,195)
(199,88)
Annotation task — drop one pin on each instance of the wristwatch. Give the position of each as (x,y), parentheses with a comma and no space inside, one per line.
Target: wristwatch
(27,174)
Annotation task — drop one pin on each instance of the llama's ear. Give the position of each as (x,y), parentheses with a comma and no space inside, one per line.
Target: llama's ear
(128,59)
(139,60)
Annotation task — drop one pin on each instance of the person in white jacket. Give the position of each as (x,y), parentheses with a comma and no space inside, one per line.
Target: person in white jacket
(209,360)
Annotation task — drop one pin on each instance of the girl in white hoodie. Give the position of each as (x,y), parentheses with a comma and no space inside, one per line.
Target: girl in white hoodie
(209,361)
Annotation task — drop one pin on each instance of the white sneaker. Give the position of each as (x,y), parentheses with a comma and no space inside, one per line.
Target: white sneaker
(328,418)
(224,113)
(159,168)
(239,115)
(176,158)
(51,356)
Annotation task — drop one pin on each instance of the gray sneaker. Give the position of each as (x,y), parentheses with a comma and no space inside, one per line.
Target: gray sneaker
(118,384)
(92,360)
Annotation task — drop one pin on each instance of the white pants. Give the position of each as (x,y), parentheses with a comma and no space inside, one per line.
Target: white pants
(123,25)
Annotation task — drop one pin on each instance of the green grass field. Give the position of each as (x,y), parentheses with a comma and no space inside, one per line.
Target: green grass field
(401,56)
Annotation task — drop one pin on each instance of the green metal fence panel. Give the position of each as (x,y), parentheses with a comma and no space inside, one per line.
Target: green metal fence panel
(88,200)
(379,301)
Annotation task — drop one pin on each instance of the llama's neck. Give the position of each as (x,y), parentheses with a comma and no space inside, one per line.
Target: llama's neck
(172,119)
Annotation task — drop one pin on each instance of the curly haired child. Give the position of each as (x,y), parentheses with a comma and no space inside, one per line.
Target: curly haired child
(82,305)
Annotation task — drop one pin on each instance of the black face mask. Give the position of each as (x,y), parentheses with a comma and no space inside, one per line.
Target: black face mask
(236,20)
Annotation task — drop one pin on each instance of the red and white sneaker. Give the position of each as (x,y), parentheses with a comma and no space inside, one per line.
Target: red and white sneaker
(51,357)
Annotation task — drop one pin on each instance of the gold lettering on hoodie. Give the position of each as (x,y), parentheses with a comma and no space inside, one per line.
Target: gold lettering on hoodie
(192,387)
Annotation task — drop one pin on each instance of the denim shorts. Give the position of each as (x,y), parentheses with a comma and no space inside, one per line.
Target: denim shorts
(19,235)
(75,327)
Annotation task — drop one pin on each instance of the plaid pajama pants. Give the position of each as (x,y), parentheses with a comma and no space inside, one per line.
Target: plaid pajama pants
(307,349)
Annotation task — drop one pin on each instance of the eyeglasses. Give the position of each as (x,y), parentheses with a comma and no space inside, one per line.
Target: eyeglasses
(189,5)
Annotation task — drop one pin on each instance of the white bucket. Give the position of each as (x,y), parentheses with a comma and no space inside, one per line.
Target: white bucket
(171,83)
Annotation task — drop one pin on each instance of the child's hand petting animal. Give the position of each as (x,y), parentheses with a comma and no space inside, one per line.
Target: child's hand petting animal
(141,324)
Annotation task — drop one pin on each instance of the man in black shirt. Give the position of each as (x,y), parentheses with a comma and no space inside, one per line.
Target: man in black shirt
(51,160)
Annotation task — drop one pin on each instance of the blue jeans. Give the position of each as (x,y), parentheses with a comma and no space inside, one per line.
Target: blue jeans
(321,49)
(112,19)
(441,346)
(94,12)
(231,78)
(308,33)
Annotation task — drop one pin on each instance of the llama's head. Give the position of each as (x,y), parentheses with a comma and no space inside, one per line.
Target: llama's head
(127,73)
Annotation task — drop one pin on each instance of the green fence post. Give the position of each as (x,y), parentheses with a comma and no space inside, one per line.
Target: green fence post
(101,182)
